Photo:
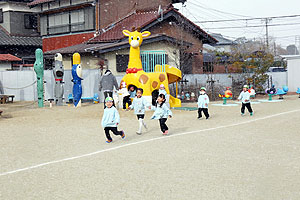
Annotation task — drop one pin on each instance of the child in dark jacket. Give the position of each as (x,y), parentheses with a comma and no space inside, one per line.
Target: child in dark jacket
(162,112)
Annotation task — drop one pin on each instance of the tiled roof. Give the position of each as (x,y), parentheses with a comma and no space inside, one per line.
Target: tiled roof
(36,2)
(221,39)
(8,40)
(9,57)
(142,19)
(112,46)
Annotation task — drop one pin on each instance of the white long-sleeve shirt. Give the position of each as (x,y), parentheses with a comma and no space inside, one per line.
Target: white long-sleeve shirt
(245,97)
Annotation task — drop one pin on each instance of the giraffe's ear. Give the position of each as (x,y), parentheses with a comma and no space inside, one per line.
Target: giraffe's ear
(126,33)
(146,34)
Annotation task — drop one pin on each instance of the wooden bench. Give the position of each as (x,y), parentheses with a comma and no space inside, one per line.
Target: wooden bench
(5,98)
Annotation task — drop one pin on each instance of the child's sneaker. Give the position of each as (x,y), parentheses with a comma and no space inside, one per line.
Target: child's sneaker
(207,117)
(242,114)
(199,117)
(166,132)
(123,135)
(139,133)
(108,141)
(251,114)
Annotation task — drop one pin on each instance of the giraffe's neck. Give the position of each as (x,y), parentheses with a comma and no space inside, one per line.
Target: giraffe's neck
(135,58)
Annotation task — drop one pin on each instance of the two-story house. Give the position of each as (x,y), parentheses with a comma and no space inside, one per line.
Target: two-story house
(18,31)
(92,27)
(66,23)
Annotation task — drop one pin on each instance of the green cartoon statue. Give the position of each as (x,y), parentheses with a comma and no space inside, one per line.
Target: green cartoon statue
(39,70)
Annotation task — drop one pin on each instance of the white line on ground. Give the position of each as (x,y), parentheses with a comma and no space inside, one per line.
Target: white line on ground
(140,142)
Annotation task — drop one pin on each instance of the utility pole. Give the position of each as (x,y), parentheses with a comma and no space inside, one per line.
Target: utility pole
(267,20)
(297,44)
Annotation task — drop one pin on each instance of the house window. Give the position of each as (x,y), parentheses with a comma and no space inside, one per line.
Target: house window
(1,16)
(59,23)
(77,20)
(30,21)
(152,58)
(71,21)
(208,67)
(122,62)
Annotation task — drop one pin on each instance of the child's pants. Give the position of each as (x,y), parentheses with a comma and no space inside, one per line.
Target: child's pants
(141,122)
(162,123)
(248,107)
(126,100)
(113,129)
(205,111)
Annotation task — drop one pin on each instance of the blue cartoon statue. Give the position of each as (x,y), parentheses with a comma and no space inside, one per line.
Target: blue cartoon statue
(77,77)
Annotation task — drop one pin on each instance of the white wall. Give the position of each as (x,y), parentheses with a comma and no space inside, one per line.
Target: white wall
(90,83)
(293,69)
(20,79)
(5,65)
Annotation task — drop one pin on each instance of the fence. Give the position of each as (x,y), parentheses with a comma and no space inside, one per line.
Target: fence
(22,84)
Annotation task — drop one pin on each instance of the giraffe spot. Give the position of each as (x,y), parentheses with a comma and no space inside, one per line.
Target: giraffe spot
(143,79)
(154,84)
(162,77)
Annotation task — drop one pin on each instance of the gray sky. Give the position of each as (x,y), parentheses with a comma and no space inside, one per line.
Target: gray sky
(203,10)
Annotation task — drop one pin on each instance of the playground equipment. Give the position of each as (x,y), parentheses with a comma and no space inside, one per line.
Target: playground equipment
(39,70)
(193,96)
(58,73)
(282,91)
(148,81)
(298,91)
(226,95)
(77,77)
(187,95)
(271,92)
(252,91)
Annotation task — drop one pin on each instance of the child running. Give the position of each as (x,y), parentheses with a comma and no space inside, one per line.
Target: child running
(139,105)
(111,120)
(162,112)
(203,101)
(245,97)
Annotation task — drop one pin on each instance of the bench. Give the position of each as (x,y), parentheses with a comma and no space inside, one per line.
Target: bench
(5,98)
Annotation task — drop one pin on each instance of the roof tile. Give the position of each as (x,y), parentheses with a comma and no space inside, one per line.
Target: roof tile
(7,40)
(9,57)
(140,19)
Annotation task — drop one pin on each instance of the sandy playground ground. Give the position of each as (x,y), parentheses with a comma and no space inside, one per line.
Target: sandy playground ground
(60,153)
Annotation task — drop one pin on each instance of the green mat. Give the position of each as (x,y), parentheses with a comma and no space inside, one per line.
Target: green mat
(186,108)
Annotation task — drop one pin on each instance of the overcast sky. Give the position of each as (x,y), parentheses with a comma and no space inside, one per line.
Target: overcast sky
(207,10)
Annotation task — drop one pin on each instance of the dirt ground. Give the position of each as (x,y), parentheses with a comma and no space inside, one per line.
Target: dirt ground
(60,153)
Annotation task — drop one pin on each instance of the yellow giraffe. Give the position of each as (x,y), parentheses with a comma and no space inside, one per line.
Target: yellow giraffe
(135,75)
(135,41)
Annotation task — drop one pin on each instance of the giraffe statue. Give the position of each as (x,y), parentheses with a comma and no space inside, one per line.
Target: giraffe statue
(136,76)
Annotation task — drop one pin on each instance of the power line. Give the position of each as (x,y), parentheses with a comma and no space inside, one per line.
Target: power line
(253,26)
(248,19)
(219,11)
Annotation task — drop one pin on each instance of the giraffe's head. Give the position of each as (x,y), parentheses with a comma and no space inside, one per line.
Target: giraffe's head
(136,37)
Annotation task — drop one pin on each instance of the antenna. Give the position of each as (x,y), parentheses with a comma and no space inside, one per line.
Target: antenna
(161,13)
